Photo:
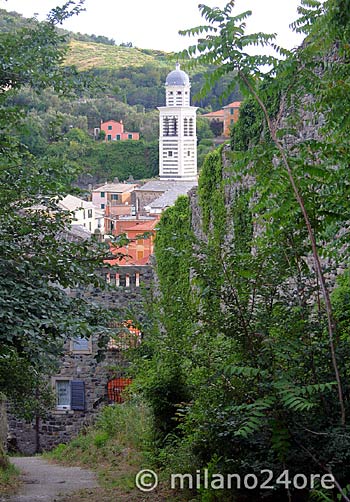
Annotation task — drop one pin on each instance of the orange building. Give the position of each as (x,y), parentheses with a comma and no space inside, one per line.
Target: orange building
(115,200)
(228,115)
(115,131)
(217,116)
(231,115)
(141,234)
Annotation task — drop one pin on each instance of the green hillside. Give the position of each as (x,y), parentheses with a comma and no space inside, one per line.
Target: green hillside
(87,55)
(127,84)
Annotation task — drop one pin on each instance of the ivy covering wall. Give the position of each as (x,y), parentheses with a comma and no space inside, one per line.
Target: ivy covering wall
(241,323)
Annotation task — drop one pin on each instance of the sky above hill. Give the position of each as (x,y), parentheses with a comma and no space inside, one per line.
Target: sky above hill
(154,24)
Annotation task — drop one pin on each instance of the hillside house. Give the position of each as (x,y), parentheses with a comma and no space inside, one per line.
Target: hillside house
(115,131)
(231,115)
(114,199)
(227,116)
(85,214)
(141,232)
(217,118)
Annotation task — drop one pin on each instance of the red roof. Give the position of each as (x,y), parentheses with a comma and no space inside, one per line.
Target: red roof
(234,104)
(145,226)
(127,259)
(218,113)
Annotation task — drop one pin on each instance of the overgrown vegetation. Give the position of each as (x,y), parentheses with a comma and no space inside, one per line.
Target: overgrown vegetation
(8,479)
(118,445)
(259,346)
(37,262)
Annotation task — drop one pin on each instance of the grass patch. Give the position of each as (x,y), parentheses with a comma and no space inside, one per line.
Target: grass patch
(86,55)
(115,446)
(8,479)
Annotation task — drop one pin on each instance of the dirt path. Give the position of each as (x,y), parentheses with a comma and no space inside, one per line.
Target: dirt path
(46,482)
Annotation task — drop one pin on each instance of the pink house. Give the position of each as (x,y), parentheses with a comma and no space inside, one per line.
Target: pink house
(115,131)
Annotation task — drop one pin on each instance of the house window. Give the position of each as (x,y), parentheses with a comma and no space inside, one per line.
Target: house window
(117,137)
(188,153)
(102,195)
(102,206)
(89,213)
(129,136)
(114,196)
(170,153)
(63,394)
(109,137)
(231,111)
(109,127)
(70,394)
(90,227)
(81,345)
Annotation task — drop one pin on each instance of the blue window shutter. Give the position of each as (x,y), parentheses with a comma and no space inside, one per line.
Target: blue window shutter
(77,395)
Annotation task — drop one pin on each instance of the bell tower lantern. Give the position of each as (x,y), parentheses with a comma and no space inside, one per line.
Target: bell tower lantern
(177,130)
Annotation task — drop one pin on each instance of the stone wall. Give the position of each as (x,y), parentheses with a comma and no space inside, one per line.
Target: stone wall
(124,299)
(142,198)
(61,426)
(3,421)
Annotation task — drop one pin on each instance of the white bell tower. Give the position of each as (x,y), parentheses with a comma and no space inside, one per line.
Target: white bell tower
(177,130)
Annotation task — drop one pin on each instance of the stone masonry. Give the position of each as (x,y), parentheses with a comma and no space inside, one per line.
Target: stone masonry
(61,426)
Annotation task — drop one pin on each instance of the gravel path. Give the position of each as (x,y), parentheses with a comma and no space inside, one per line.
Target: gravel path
(46,482)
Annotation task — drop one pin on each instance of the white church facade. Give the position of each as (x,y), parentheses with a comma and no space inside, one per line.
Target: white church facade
(177,148)
(177,130)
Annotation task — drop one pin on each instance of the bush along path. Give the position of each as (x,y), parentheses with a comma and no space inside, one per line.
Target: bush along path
(117,447)
(46,482)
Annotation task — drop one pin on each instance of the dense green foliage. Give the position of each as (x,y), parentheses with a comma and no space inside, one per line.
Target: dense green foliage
(252,349)
(99,161)
(38,263)
(210,194)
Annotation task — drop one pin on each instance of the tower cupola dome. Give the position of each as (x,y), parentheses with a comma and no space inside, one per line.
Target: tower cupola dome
(177,77)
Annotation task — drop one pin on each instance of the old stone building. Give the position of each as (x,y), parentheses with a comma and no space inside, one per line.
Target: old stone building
(83,383)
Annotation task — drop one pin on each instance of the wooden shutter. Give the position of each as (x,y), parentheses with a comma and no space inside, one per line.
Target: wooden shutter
(77,395)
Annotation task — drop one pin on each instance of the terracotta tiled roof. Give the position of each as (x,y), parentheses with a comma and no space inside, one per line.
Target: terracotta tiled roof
(217,113)
(116,187)
(127,259)
(234,104)
(145,226)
